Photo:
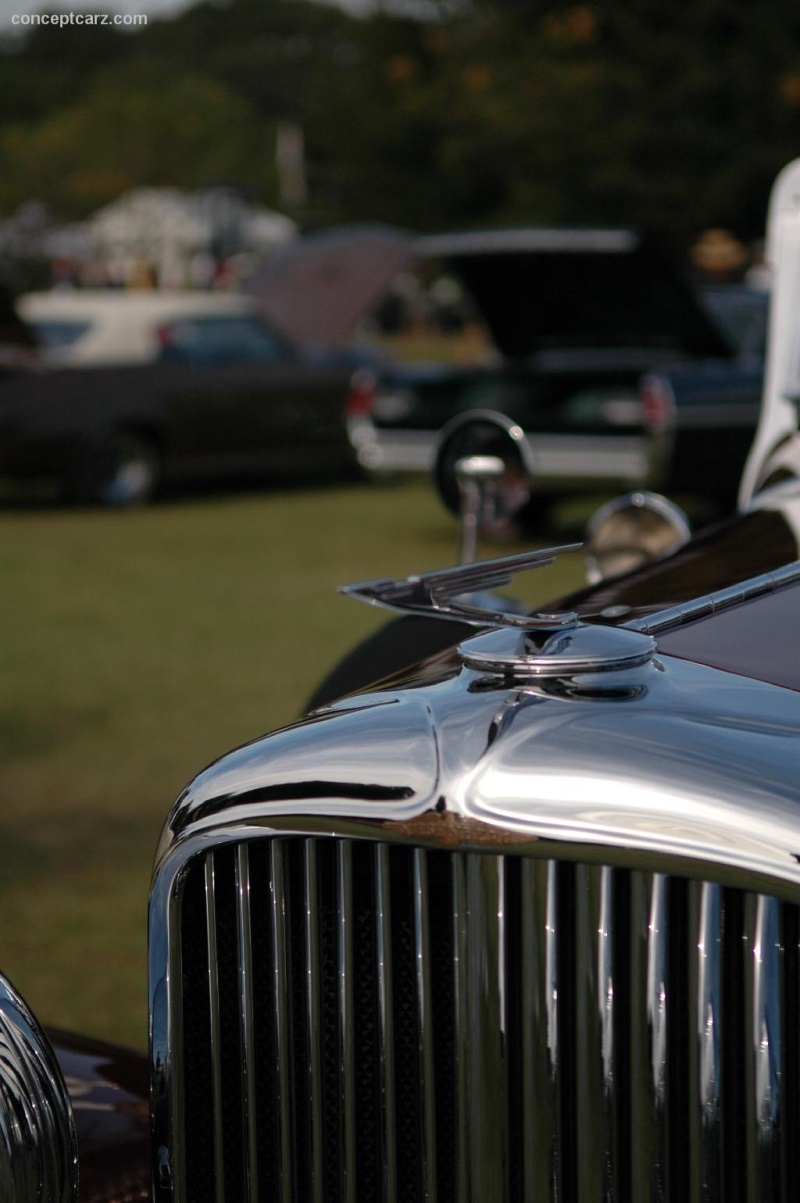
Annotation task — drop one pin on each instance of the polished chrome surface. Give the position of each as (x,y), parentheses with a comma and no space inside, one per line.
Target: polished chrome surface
(442,593)
(630,531)
(768,1096)
(709,1023)
(562,652)
(488,1047)
(280,1003)
(38,1152)
(215,1017)
(478,478)
(664,757)
(246,1019)
(612,860)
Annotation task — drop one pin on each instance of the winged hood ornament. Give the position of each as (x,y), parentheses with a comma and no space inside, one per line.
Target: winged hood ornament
(461,592)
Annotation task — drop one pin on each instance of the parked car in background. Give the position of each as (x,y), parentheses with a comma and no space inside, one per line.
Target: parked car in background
(107,326)
(520,921)
(702,416)
(578,317)
(130,390)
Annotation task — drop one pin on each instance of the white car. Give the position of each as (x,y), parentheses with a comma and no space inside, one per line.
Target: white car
(90,327)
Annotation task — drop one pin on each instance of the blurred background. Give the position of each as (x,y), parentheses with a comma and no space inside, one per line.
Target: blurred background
(183,153)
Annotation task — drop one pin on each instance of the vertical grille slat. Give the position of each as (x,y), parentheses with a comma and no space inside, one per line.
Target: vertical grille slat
(710,1021)
(313,979)
(281,1032)
(346,1047)
(421,907)
(383,909)
(646,1003)
(490,1070)
(657,1003)
(538,999)
(246,1021)
(214,1017)
(481,1064)
(763,976)
(368,1022)
(591,1128)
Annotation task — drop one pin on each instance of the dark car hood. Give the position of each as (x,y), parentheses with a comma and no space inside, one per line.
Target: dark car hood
(559,288)
(538,288)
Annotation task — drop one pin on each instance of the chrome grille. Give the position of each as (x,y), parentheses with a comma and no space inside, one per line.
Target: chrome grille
(366,1021)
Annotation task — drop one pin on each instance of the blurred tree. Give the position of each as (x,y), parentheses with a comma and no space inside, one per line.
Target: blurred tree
(483,111)
(123,134)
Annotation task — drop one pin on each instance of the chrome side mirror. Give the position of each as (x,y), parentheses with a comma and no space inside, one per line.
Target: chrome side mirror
(483,473)
(630,531)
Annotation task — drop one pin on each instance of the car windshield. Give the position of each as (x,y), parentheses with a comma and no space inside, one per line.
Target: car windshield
(53,334)
(221,340)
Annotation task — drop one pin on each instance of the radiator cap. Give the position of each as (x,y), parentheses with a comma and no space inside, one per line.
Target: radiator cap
(559,651)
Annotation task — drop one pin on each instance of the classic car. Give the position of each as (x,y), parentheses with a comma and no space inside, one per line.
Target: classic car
(520,920)
(131,390)
(73,1114)
(580,320)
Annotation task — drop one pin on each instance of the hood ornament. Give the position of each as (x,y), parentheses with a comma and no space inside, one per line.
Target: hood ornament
(522,647)
(461,593)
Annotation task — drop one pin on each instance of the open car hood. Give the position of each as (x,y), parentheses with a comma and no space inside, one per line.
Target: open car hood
(559,288)
(316,289)
(538,288)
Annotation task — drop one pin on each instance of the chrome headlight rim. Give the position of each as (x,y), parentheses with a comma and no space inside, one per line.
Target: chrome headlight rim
(650,506)
(38,1143)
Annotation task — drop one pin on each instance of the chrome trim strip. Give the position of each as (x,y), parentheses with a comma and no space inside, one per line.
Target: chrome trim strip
(710,1019)
(344,864)
(214,1011)
(539,1111)
(280,994)
(425,1020)
(313,969)
(383,938)
(246,1020)
(767,1047)
(712,603)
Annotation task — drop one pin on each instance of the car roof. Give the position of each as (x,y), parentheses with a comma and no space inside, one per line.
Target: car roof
(88,303)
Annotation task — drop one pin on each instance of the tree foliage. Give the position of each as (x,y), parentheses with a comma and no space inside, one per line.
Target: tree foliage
(486,112)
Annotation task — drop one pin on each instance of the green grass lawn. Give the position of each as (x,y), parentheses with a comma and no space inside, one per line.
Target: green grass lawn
(137,646)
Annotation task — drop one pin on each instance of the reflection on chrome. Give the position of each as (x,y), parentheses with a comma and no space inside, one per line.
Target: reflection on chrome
(767,1044)
(709,1033)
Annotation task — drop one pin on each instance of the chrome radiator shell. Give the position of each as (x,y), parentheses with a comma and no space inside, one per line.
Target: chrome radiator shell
(558,1031)
(469,942)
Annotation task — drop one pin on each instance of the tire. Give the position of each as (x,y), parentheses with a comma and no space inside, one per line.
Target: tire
(122,468)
